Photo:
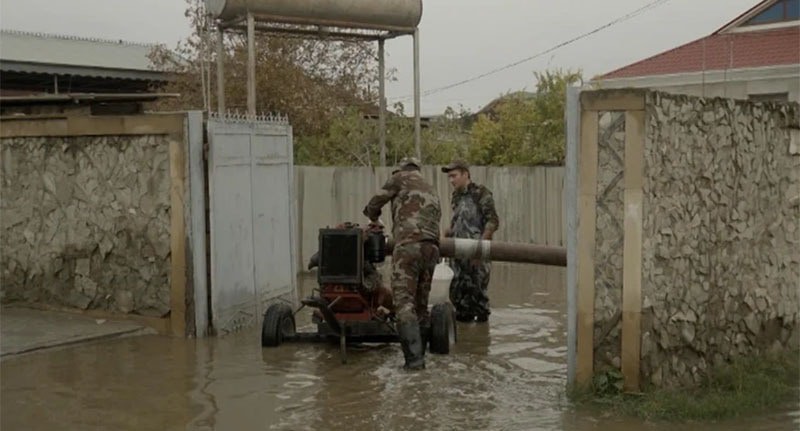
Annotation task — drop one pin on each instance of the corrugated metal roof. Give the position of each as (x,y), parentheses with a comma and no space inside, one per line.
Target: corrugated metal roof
(83,98)
(39,48)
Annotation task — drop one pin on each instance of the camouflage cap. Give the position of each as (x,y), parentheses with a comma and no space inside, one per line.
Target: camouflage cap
(456,164)
(408,161)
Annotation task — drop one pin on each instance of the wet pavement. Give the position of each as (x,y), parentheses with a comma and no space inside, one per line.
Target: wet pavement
(25,330)
(507,375)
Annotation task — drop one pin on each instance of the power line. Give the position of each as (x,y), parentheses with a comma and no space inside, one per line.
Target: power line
(652,5)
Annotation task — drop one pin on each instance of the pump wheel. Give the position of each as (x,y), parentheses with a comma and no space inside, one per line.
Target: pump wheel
(278,325)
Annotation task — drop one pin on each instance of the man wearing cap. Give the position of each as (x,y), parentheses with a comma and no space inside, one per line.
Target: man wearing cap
(416,213)
(474,217)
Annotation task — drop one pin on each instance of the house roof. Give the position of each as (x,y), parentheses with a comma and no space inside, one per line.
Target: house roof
(46,53)
(492,105)
(746,15)
(723,50)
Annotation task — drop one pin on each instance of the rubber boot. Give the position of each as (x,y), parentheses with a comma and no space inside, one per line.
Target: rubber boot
(425,334)
(465,317)
(411,342)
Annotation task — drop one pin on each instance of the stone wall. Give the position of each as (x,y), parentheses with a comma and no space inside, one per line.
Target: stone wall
(721,233)
(707,244)
(609,236)
(86,222)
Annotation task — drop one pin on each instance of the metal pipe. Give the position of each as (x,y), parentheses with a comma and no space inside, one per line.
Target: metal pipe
(220,71)
(498,251)
(207,57)
(251,65)
(417,128)
(382,102)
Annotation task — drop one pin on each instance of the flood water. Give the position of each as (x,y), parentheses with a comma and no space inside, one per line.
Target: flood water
(507,375)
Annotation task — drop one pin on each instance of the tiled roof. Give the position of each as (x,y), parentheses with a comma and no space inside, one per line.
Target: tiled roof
(719,51)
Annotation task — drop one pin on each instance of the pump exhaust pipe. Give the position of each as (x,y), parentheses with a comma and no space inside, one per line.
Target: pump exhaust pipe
(498,251)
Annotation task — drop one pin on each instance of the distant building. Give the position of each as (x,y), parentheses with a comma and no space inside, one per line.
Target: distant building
(755,56)
(372,112)
(35,63)
(491,108)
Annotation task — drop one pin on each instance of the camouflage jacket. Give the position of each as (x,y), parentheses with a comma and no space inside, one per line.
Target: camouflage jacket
(416,210)
(473,212)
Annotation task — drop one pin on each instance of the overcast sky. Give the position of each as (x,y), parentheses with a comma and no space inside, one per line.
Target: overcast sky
(458,38)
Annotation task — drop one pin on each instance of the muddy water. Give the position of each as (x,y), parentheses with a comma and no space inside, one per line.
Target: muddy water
(507,375)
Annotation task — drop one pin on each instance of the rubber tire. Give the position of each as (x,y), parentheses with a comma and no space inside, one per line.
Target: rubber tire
(275,323)
(443,329)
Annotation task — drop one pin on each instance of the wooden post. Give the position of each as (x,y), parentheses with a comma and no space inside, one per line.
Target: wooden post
(587,201)
(632,255)
(196,216)
(177,170)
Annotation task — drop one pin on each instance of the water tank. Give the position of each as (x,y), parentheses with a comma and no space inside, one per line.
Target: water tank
(374,14)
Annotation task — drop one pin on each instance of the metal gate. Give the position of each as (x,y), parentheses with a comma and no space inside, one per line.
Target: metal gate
(252,220)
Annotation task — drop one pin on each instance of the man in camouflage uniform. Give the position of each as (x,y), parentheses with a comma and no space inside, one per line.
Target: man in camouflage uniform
(474,217)
(416,212)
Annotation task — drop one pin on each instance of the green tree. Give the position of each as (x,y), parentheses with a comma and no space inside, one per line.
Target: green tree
(525,130)
(353,139)
(312,81)
(446,137)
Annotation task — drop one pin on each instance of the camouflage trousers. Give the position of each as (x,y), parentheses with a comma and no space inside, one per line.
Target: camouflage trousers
(412,271)
(469,289)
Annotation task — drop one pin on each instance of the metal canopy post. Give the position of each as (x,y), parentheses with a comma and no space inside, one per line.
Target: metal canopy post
(251,65)
(573,129)
(417,128)
(220,71)
(382,101)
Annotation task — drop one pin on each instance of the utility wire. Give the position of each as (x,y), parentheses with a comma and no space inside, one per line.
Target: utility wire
(632,14)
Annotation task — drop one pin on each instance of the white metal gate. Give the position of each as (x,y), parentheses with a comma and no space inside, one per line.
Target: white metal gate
(252,220)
